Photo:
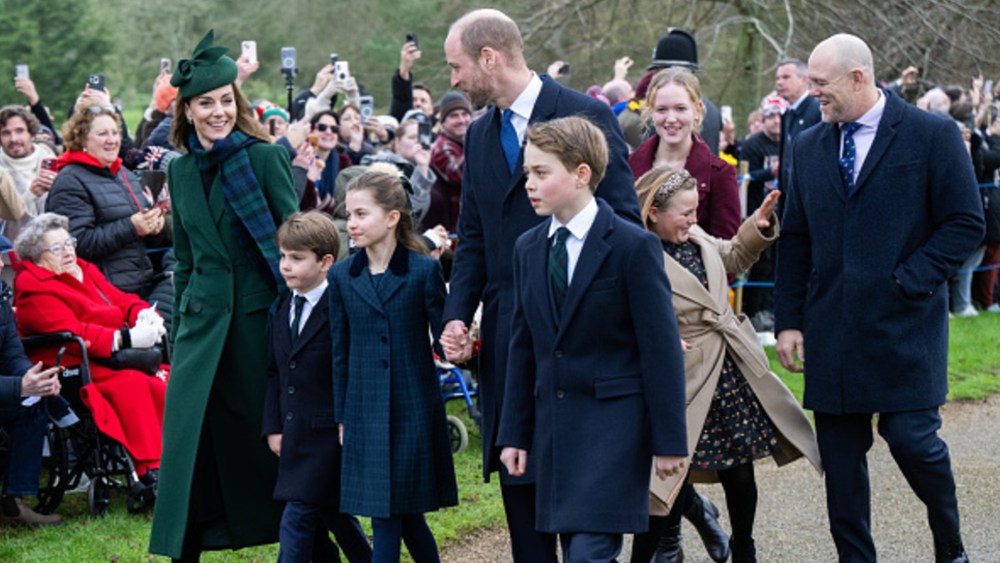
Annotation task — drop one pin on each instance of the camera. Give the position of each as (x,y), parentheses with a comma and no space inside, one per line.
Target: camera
(341,71)
(21,71)
(367,106)
(412,38)
(96,82)
(288,56)
(334,57)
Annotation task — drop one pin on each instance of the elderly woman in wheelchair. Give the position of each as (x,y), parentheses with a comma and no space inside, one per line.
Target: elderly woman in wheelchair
(57,291)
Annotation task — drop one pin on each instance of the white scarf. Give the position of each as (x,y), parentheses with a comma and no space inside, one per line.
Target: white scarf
(25,170)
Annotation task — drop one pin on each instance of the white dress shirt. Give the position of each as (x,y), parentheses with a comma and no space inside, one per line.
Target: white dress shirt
(312,298)
(524,105)
(864,137)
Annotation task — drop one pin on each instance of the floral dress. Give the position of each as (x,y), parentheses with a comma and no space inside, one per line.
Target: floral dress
(736,430)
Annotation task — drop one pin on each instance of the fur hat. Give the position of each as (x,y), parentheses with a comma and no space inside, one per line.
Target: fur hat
(207,69)
(453,100)
(676,48)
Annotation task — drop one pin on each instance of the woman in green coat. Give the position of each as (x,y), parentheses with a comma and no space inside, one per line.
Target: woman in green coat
(229,193)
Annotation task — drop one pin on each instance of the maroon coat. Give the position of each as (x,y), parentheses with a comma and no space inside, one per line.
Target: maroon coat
(718,195)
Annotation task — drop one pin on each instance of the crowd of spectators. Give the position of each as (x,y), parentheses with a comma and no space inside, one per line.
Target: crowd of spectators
(113,189)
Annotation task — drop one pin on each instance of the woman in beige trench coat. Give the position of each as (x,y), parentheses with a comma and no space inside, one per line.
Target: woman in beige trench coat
(737,410)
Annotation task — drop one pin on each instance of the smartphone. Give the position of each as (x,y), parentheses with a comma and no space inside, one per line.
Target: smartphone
(288,59)
(988,86)
(164,66)
(49,164)
(412,38)
(59,356)
(21,71)
(96,82)
(367,106)
(342,71)
(727,113)
(249,48)
(425,133)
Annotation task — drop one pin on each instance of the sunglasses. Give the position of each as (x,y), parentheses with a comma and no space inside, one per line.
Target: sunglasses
(323,127)
(101,109)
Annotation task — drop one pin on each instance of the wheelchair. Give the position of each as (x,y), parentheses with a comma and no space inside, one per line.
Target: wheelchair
(80,455)
(457,384)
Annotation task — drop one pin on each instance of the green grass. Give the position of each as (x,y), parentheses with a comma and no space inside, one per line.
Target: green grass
(974,373)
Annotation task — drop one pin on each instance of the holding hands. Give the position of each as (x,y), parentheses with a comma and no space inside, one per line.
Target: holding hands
(456,342)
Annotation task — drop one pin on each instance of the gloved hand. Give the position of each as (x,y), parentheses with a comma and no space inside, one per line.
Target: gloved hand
(144,335)
(148,316)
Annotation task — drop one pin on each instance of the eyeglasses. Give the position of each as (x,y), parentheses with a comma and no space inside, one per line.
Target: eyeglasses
(322,128)
(101,109)
(60,248)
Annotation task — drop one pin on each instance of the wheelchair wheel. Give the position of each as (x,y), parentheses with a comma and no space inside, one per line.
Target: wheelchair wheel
(55,470)
(98,496)
(458,436)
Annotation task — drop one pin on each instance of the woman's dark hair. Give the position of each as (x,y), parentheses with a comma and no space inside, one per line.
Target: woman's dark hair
(246,121)
(387,190)
(315,119)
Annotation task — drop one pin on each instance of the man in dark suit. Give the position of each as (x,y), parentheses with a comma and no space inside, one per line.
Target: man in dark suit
(791,82)
(881,209)
(485,52)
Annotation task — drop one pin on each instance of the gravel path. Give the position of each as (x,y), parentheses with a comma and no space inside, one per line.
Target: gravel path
(791,516)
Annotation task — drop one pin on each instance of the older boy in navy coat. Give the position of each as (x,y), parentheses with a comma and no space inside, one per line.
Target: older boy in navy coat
(595,380)
(298,410)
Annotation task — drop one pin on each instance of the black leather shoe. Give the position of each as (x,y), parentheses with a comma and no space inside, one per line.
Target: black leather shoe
(669,548)
(743,552)
(951,551)
(705,518)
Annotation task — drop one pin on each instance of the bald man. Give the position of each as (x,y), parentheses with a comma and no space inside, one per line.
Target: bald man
(881,209)
(485,52)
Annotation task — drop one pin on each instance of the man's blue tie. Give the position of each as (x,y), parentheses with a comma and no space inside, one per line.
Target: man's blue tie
(508,139)
(850,153)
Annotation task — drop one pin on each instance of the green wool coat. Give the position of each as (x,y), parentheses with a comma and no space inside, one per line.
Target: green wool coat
(222,292)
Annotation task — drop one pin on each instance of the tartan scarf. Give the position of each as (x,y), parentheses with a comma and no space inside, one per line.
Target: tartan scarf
(241,189)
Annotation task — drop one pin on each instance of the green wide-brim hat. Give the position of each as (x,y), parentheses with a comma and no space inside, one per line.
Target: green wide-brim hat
(207,69)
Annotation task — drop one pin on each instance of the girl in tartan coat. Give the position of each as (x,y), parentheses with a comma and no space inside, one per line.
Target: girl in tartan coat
(396,461)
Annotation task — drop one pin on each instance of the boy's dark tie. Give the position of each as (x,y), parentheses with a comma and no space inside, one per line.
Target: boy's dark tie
(508,140)
(558,261)
(300,302)
(850,153)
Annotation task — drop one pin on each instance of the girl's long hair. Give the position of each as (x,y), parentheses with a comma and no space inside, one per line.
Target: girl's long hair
(388,193)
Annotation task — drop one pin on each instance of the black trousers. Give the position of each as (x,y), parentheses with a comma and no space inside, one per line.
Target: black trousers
(527,544)
(922,457)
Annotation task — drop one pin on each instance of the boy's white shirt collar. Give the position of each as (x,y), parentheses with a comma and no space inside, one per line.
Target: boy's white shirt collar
(580,224)
(315,294)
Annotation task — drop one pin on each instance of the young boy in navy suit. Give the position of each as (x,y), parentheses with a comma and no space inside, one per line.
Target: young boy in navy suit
(298,410)
(595,381)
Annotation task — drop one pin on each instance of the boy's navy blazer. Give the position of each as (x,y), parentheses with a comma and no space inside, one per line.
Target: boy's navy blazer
(594,393)
(495,211)
(299,405)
